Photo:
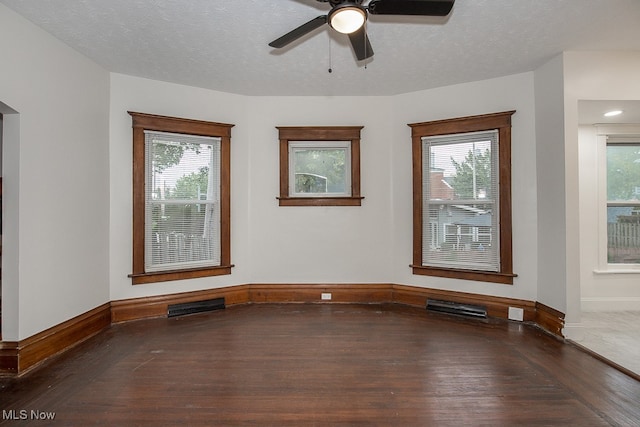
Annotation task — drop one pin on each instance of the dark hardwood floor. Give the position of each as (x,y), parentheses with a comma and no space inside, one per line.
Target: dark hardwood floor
(322,364)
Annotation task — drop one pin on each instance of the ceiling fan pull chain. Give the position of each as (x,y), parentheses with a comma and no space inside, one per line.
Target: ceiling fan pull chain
(330,63)
(365,45)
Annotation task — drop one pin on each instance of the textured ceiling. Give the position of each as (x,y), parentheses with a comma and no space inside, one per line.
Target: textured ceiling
(223,44)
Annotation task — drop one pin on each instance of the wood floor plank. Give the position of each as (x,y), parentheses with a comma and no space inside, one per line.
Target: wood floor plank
(324,364)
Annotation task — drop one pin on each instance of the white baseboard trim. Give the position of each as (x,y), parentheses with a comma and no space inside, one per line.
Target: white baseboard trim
(573,331)
(610,304)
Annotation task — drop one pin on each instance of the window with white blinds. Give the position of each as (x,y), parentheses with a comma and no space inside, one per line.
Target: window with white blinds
(182,201)
(181,198)
(460,183)
(462,223)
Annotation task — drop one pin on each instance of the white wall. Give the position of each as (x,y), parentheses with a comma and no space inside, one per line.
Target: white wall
(154,97)
(366,244)
(551,226)
(332,244)
(270,244)
(55,178)
(489,96)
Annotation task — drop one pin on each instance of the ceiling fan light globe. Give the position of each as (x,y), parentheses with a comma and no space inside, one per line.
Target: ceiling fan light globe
(347,19)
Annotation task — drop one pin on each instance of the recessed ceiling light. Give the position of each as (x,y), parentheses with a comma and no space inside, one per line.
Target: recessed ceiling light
(613,113)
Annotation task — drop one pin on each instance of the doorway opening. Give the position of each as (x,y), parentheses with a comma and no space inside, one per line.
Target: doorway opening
(609,163)
(9,230)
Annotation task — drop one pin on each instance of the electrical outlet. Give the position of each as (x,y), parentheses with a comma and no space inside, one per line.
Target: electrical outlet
(516,313)
(326,295)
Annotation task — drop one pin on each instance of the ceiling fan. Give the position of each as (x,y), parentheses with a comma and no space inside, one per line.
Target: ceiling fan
(348,17)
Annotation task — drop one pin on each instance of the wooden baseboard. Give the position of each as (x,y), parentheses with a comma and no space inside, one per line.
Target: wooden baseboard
(8,358)
(157,306)
(496,306)
(549,319)
(17,357)
(367,293)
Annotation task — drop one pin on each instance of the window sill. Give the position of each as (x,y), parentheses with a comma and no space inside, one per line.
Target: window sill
(451,273)
(617,271)
(320,201)
(169,275)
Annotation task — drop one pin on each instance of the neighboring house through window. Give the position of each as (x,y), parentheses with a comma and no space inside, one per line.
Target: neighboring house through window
(462,198)
(181,198)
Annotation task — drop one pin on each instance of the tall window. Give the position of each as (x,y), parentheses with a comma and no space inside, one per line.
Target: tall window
(462,198)
(623,200)
(181,198)
(182,203)
(460,192)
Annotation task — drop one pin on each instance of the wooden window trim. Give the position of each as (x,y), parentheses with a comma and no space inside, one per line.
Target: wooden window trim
(502,122)
(319,133)
(142,122)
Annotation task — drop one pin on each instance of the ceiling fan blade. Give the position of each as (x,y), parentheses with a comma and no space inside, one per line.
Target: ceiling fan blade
(360,43)
(302,30)
(411,7)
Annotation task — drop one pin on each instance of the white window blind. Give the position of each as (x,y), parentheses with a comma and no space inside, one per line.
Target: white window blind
(460,201)
(182,201)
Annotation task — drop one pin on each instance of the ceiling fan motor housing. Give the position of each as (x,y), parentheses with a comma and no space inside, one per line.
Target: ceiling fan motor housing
(347,17)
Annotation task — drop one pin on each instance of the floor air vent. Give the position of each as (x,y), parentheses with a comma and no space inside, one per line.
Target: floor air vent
(195,307)
(456,308)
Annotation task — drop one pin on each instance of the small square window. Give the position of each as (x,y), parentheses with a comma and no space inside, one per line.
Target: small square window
(320,166)
(320,169)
